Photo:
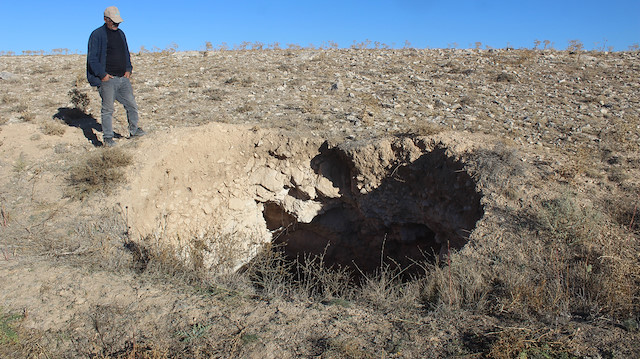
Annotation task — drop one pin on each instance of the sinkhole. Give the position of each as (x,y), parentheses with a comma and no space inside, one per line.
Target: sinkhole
(419,208)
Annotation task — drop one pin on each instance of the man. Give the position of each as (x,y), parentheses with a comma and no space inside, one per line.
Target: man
(109,69)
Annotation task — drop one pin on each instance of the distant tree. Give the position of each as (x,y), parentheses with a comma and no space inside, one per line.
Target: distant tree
(173,47)
(242,46)
(575,46)
(208,46)
(536,44)
(634,47)
(330,45)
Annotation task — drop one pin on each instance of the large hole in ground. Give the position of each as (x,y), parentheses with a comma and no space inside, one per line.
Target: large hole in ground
(420,210)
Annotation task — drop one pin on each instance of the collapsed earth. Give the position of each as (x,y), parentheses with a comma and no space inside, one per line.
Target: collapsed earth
(326,203)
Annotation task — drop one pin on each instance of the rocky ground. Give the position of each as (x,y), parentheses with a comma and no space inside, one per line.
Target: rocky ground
(516,171)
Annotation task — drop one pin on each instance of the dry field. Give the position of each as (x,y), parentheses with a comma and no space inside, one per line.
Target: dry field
(324,204)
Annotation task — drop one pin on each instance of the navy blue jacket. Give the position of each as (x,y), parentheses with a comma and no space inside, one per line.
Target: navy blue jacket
(97,55)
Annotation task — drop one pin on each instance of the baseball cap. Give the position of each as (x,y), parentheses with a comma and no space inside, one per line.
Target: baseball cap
(113,13)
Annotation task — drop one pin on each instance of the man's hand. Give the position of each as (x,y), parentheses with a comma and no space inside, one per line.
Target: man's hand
(127,74)
(106,78)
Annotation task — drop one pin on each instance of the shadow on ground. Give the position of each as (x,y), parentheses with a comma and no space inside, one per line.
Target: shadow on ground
(75,117)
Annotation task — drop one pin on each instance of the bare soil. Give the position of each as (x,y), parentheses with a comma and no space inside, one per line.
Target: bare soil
(503,184)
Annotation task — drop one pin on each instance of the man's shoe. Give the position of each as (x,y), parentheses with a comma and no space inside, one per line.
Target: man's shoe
(139,132)
(109,142)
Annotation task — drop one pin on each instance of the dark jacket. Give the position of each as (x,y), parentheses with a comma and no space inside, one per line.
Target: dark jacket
(97,55)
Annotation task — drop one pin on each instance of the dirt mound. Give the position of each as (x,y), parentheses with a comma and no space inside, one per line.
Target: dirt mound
(230,189)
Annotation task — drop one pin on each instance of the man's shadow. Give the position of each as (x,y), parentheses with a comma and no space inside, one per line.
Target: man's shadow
(75,117)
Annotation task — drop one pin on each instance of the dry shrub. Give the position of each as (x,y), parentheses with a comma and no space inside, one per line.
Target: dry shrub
(215,94)
(371,107)
(579,263)
(526,56)
(499,165)
(134,350)
(275,275)
(625,209)
(102,170)
(271,273)
(247,107)
(27,116)
(317,280)
(621,134)
(387,289)
(161,257)
(426,128)
(526,343)
(79,99)
(505,77)
(463,283)
(53,128)
(593,256)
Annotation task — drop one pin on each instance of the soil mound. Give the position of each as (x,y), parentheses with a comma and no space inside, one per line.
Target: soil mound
(231,189)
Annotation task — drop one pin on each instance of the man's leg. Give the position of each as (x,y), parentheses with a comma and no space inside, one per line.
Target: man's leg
(126,98)
(107,93)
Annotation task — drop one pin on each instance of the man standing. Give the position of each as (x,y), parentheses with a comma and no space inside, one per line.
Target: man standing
(109,69)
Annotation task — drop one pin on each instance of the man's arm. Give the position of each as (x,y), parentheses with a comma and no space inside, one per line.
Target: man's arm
(129,66)
(93,57)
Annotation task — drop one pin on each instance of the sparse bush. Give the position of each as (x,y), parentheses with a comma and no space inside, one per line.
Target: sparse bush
(27,116)
(21,163)
(53,128)
(80,100)
(526,343)
(460,283)
(20,107)
(504,77)
(575,46)
(584,259)
(271,272)
(426,128)
(100,171)
(215,94)
(321,282)
(247,107)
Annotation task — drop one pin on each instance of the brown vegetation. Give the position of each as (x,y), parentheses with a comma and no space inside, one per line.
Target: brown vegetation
(549,140)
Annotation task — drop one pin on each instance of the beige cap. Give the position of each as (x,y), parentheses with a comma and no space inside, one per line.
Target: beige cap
(113,13)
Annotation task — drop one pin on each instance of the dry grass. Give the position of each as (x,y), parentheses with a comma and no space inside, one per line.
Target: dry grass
(102,170)
(53,128)
(564,254)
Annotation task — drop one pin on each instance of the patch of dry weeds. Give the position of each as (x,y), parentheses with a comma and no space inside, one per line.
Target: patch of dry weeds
(101,170)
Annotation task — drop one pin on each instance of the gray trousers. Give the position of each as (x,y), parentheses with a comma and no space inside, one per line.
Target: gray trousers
(117,89)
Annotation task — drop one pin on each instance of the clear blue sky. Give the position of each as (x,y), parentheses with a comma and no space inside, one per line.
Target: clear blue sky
(47,25)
